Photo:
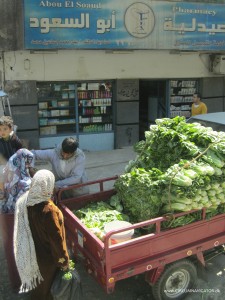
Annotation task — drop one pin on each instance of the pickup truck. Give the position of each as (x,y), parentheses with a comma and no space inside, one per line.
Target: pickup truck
(170,258)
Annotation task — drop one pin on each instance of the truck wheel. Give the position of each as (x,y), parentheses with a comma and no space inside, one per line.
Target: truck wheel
(175,281)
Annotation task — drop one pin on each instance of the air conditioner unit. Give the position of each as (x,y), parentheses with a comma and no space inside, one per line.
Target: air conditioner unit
(218,64)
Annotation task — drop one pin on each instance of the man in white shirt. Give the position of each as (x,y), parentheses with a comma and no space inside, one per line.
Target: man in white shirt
(68,166)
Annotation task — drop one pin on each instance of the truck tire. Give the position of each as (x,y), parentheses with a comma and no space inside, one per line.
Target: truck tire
(175,281)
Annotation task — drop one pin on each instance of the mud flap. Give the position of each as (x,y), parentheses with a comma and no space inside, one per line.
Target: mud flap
(202,271)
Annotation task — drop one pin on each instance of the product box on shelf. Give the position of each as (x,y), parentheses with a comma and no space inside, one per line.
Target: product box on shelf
(71,95)
(54,103)
(67,121)
(53,129)
(53,121)
(43,105)
(64,95)
(71,86)
(64,112)
(63,103)
(45,113)
(44,130)
(40,113)
(43,122)
(57,87)
(48,130)
(55,113)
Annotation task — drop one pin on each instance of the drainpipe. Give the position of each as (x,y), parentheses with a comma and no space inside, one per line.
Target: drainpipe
(223,93)
(2,70)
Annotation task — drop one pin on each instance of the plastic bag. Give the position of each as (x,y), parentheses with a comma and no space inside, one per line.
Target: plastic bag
(66,289)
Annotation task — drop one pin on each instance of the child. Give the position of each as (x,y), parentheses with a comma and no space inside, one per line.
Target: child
(9,144)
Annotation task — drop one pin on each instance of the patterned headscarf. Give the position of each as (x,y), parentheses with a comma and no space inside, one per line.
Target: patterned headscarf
(16,177)
(41,190)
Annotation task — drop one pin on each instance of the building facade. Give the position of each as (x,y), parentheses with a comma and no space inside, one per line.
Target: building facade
(104,71)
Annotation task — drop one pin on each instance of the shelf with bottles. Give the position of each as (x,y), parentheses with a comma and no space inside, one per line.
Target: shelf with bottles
(181,113)
(96,127)
(180,110)
(181,97)
(95,107)
(182,90)
(95,119)
(97,97)
(88,111)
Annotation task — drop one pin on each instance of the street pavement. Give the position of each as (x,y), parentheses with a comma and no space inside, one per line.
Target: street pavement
(103,164)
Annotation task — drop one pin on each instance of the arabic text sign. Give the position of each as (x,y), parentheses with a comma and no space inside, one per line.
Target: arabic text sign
(116,24)
(128,90)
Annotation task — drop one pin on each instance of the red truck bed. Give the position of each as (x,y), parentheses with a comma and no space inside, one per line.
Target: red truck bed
(148,253)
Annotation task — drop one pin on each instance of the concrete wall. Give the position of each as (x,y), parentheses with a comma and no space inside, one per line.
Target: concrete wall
(127,113)
(23,104)
(213,93)
(25,68)
(99,64)
(11,25)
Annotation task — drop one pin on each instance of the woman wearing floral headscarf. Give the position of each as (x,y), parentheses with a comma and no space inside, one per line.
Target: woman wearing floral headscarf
(17,178)
(39,237)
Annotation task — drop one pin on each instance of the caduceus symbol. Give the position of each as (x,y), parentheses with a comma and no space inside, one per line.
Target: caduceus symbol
(140,16)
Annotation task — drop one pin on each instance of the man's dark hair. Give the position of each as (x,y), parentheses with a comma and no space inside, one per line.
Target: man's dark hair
(69,145)
(198,95)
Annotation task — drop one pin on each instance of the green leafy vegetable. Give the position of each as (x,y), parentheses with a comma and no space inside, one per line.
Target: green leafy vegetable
(178,167)
(95,215)
(67,275)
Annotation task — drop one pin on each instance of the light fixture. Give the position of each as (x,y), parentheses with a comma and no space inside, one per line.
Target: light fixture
(119,51)
(44,51)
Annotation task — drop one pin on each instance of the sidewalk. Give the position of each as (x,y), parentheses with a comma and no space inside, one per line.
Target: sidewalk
(99,165)
(104,164)
(106,158)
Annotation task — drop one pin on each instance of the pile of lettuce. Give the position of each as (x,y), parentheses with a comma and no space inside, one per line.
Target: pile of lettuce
(179,167)
(96,214)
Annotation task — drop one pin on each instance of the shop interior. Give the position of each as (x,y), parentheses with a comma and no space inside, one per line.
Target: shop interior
(152,103)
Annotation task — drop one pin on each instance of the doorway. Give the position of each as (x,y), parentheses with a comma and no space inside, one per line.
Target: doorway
(152,103)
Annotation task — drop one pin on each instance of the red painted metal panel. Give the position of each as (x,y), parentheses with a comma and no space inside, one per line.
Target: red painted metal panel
(6,227)
(140,254)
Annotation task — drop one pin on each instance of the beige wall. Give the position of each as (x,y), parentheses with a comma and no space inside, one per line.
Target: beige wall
(100,64)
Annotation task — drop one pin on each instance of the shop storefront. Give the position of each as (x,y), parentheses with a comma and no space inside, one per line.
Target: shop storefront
(103,72)
(84,110)
(165,98)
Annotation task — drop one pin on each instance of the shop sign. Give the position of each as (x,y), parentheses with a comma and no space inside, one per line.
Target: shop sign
(124,25)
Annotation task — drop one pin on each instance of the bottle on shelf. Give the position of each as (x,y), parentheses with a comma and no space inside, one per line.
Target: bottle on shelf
(181,93)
